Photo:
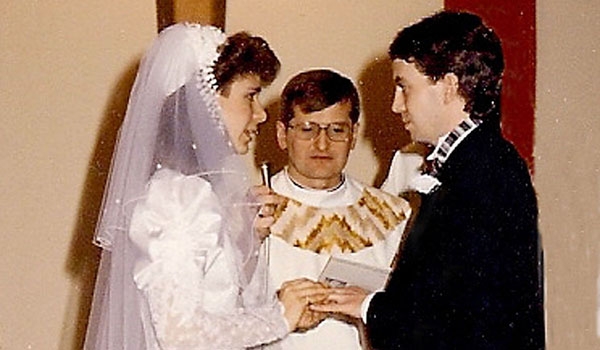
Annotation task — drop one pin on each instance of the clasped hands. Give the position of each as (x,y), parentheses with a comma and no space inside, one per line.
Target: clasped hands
(307,303)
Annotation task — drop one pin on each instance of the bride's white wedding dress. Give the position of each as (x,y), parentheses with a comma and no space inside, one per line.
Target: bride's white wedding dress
(187,277)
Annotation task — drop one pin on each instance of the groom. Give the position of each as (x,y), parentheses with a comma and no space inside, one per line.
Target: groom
(470,273)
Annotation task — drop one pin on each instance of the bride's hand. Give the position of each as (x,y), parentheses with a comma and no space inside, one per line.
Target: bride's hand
(268,201)
(295,296)
(310,319)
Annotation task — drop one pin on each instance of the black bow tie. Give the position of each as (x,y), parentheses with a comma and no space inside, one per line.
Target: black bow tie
(431,167)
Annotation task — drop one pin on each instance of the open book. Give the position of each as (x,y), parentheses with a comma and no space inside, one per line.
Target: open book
(342,273)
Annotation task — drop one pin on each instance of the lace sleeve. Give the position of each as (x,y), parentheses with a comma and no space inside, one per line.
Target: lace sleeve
(180,270)
(242,328)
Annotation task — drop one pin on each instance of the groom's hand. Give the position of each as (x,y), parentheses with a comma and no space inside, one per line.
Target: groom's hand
(346,300)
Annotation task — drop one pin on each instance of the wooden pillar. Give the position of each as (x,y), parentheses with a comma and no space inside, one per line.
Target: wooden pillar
(200,11)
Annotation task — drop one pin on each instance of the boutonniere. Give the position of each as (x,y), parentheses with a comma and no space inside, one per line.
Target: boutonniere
(424,183)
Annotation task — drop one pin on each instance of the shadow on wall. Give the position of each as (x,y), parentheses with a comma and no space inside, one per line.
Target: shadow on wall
(83,258)
(267,149)
(382,128)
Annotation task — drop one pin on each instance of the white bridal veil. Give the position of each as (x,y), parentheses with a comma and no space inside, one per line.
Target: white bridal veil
(173,121)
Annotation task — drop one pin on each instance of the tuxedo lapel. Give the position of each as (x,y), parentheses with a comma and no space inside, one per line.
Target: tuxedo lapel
(416,236)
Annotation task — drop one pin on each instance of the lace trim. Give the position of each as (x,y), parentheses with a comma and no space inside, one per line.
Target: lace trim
(207,51)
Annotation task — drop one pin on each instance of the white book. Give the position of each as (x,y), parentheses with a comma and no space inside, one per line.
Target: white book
(343,273)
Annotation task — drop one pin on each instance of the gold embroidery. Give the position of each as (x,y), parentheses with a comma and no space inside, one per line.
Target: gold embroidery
(333,231)
(342,229)
(381,209)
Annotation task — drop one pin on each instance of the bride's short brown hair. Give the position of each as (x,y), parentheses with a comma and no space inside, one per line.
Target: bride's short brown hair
(243,54)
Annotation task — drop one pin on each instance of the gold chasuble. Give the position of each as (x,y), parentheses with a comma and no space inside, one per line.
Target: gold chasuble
(345,229)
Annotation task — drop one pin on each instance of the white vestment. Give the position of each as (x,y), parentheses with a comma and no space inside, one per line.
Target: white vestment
(300,246)
(405,168)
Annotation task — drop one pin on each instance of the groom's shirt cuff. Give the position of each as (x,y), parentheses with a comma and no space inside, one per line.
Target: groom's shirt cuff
(364,307)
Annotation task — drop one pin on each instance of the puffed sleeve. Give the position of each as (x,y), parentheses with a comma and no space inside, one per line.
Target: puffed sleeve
(176,230)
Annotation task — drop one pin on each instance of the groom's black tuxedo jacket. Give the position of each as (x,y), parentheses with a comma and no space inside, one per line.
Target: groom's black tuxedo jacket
(469,274)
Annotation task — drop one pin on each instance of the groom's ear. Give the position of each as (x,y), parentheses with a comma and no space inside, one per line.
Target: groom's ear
(450,81)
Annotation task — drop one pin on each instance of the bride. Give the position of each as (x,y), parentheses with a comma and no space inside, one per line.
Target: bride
(178,226)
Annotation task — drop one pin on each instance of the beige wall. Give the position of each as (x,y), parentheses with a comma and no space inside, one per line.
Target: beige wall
(567,175)
(66,68)
(63,70)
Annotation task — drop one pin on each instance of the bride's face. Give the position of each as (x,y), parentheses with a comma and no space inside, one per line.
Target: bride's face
(242,111)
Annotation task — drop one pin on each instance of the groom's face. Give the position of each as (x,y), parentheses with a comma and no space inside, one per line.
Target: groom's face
(419,102)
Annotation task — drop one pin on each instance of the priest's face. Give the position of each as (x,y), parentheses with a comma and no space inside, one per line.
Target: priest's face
(318,144)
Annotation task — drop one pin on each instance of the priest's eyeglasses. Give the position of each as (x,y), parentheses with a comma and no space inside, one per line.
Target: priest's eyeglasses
(337,132)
